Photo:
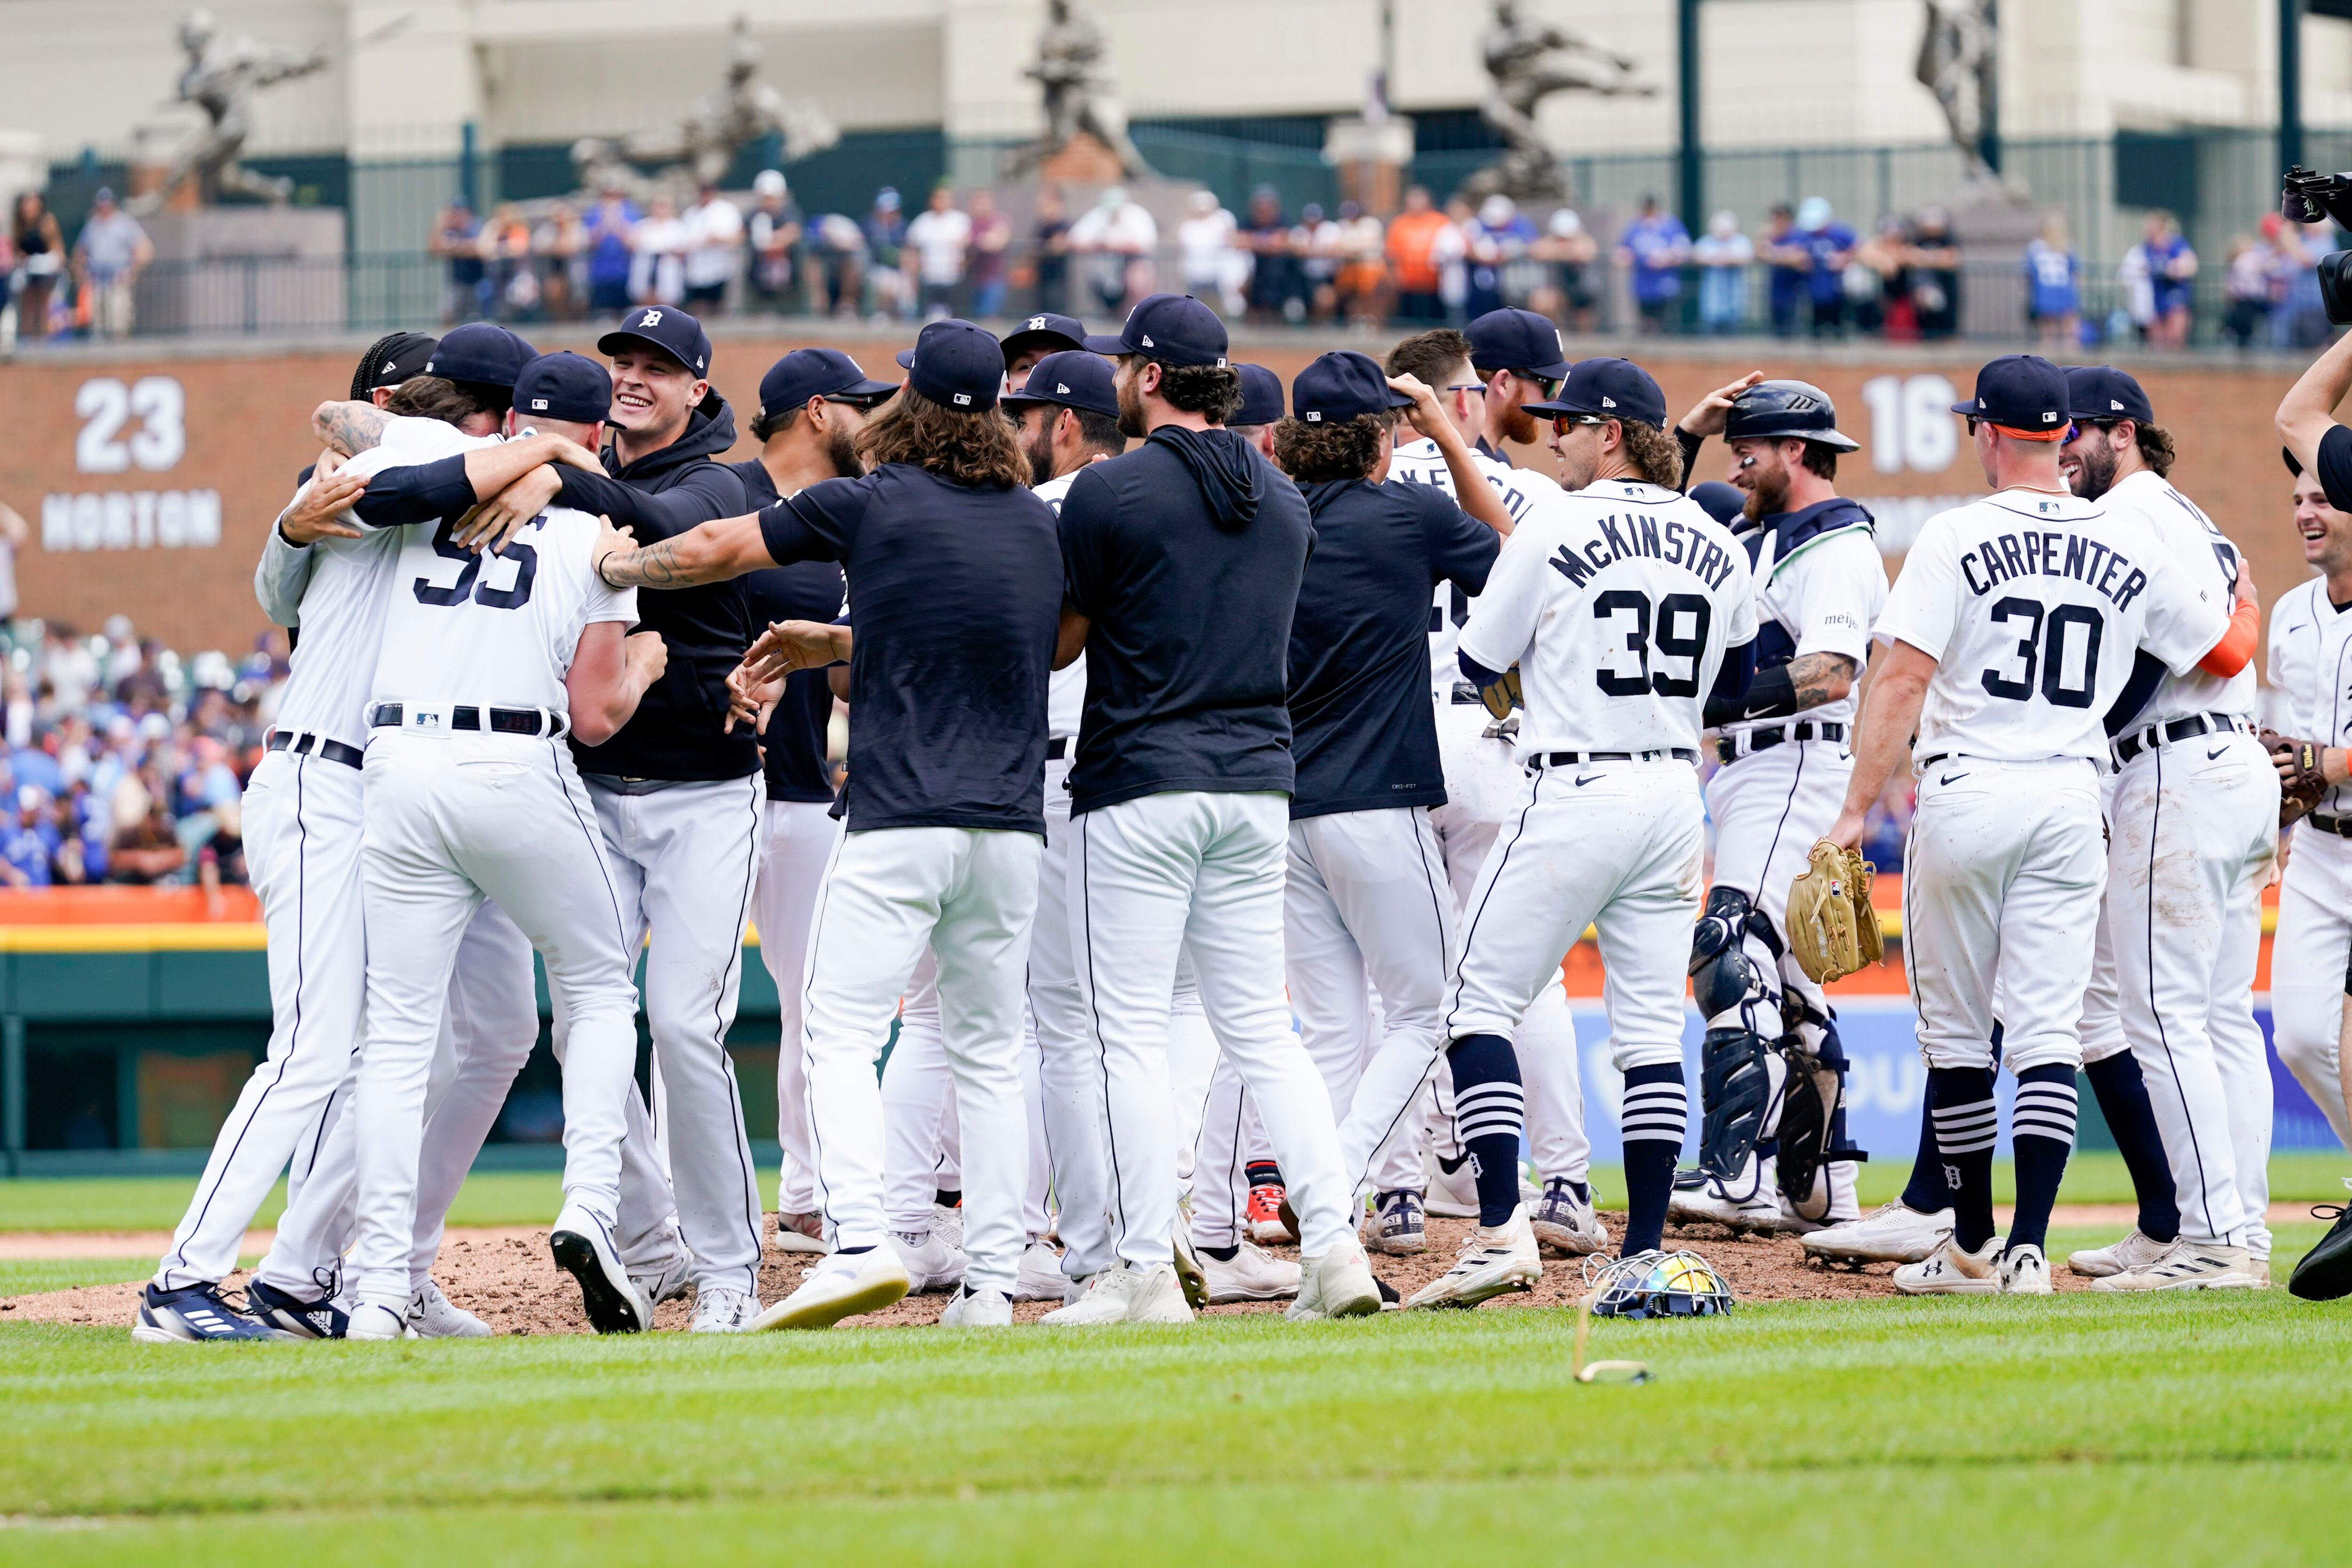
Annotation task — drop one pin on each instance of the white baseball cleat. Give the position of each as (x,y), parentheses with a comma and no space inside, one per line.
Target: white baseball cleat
(2137,1250)
(2191,1266)
(949,1223)
(1491,1263)
(667,1283)
(933,1262)
(1394,1224)
(800,1232)
(1892,1235)
(1567,1223)
(977,1310)
(1449,1193)
(1127,1295)
(375,1322)
(2259,1270)
(1336,1284)
(844,1285)
(1040,1276)
(1251,1274)
(432,1315)
(1711,1205)
(582,1245)
(1949,1271)
(2024,1271)
(721,1311)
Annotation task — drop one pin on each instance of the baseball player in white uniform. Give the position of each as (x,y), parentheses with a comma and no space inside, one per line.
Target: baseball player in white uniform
(488,661)
(2011,629)
(2192,822)
(1624,608)
(1483,777)
(1772,1069)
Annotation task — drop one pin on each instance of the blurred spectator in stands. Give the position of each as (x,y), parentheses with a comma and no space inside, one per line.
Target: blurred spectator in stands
(30,841)
(1495,243)
(2248,279)
(658,272)
(149,851)
(1363,280)
(561,243)
(1878,283)
(1419,241)
(1116,239)
(1887,825)
(1829,245)
(773,231)
(38,259)
(1316,242)
(1654,245)
(839,263)
(1782,251)
(611,258)
(935,242)
(1050,241)
(1213,269)
(1276,291)
(14,534)
(987,267)
(2298,316)
(1723,255)
(2053,285)
(458,239)
(506,255)
(714,236)
(885,230)
(2157,274)
(1934,266)
(1453,277)
(83,832)
(1568,251)
(109,256)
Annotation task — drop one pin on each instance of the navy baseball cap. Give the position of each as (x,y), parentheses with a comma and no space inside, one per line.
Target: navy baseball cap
(1604,388)
(2021,394)
(480,351)
(2100,395)
(564,385)
(1074,378)
(1721,501)
(1175,329)
(957,365)
(1342,385)
(667,328)
(806,373)
(1517,340)
(1261,396)
(1045,330)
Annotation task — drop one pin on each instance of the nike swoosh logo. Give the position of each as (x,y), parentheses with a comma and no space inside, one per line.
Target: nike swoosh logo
(1582,780)
(1947,778)
(2210,756)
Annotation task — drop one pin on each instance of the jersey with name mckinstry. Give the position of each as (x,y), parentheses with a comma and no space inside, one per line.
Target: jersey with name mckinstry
(1617,602)
(2211,562)
(2034,605)
(1522,489)
(333,668)
(494,631)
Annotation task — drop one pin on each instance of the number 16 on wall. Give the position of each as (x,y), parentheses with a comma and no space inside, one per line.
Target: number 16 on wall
(1912,425)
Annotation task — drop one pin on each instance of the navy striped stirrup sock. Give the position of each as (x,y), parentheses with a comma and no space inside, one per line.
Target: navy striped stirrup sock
(1489,1110)
(1656,1114)
(1968,1122)
(2041,1134)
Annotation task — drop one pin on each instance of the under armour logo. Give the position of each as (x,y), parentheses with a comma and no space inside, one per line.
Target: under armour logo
(1036,324)
(650,319)
(963,400)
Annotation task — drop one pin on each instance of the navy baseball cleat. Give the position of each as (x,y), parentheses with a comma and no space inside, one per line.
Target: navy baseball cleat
(286,1311)
(194,1314)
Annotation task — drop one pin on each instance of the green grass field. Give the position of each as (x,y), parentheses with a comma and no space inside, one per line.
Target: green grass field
(2176,1429)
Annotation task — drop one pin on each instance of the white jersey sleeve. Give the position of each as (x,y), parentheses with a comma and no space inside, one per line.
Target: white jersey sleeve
(1617,604)
(1065,689)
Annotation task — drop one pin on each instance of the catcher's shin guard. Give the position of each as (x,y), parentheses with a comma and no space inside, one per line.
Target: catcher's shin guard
(1721,976)
(1810,1128)
(1734,1092)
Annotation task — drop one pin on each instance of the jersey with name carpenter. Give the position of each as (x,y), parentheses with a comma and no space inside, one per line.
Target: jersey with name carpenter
(1618,605)
(1363,736)
(2034,605)
(792,747)
(956,590)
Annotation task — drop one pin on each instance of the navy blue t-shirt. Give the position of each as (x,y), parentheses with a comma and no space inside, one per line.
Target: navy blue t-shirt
(792,747)
(958,597)
(1363,730)
(1186,555)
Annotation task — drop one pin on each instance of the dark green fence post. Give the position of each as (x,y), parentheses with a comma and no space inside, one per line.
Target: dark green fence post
(12,1090)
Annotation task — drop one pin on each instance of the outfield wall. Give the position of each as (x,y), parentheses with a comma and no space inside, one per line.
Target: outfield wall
(150,477)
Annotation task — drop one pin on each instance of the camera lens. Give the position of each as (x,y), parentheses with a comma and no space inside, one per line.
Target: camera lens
(2335,288)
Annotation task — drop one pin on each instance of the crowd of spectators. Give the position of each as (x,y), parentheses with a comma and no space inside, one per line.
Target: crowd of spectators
(48,289)
(123,761)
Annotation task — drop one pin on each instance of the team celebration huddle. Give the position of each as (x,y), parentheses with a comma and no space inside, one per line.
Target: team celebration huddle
(1230,770)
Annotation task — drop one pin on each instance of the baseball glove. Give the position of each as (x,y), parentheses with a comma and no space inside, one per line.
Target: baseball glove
(2301,782)
(1832,927)
(1503,695)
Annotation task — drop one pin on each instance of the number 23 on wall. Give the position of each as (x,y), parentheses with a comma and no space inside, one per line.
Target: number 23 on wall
(105,406)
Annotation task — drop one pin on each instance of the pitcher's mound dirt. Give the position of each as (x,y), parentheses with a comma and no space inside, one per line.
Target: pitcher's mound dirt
(511,1282)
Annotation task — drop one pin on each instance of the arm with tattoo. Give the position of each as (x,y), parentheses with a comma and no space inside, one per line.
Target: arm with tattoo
(1805,682)
(1819,678)
(351,428)
(712,552)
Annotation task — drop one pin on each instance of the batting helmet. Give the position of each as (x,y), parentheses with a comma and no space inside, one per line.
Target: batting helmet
(1786,410)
